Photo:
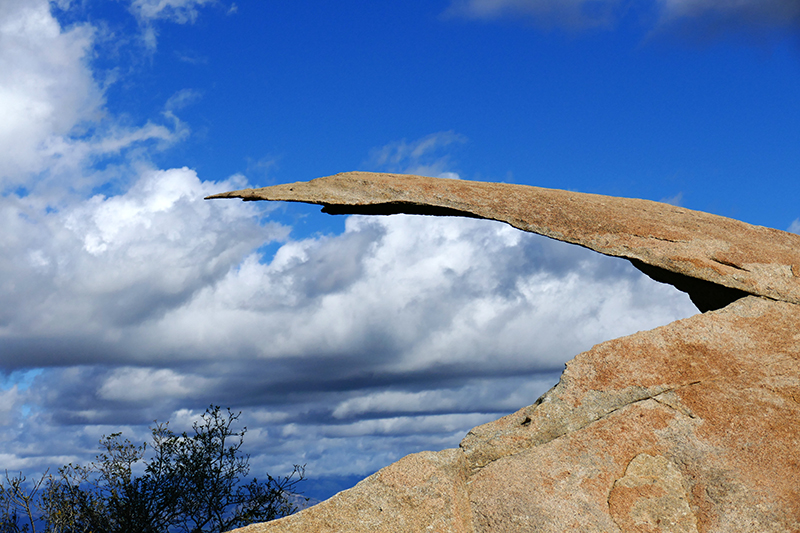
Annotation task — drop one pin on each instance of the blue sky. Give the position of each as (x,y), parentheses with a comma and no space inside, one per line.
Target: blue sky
(349,342)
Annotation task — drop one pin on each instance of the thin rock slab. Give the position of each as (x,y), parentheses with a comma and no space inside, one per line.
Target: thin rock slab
(715,259)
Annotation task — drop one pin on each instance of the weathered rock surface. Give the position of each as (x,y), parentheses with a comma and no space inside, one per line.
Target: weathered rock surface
(690,427)
(700,253)
(421,492)
(694,426)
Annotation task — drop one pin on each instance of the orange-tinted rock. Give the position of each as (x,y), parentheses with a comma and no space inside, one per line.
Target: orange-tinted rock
(707,405)
(690,427)
(421,492)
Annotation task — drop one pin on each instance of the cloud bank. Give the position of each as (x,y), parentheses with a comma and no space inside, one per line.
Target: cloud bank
(345,351)
(401,332)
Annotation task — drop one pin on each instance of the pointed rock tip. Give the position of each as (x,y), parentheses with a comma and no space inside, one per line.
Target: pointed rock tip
(229,194)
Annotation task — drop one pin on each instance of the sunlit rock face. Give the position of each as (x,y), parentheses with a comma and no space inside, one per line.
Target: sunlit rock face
(690,427)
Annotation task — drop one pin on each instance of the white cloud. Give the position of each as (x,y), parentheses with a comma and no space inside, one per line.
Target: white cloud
(180,11)
(677,199)
(104,262)
(53,124)
(399,296)
(177,11)
(137,384)
(478,396)
(376,337)
(395,426)
(10,402)
(795,227)
(425,156)
(46,89)
(181,99)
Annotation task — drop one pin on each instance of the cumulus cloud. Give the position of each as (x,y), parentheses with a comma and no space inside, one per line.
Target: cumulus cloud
(107,262)
(360,295)
(46,90)
(399,334)
(795,226)
(147,302)
(53,124)
(157,270)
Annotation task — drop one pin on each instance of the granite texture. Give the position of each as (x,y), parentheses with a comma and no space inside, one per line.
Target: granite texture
(690,427)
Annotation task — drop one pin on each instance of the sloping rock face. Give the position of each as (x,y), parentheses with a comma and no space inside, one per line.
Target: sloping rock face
(691,427)
(694,426)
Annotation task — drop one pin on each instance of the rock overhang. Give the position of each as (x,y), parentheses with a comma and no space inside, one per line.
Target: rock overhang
(716,260)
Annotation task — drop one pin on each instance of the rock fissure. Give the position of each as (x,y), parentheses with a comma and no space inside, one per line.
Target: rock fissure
(658,238)
(730,264)
(650,396)
(554,424)
(679,409)
(612,411)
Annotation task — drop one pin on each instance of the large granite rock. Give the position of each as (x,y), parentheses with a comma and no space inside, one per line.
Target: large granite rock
(690,427)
